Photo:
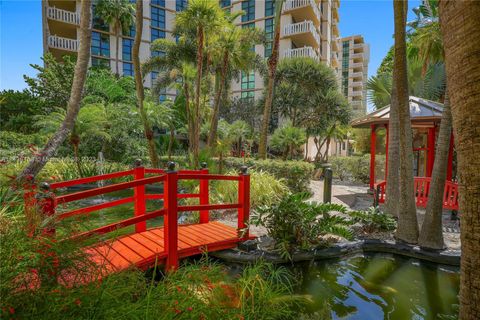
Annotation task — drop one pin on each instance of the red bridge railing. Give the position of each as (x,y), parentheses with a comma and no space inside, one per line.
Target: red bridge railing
(421,189)
(47,201)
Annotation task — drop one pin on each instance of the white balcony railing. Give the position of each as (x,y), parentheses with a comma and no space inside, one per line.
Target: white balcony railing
(358,46)
(301,52)
(63,15)
(357,84)
(357,65)
(356,75)
(356,93)
(301,27)
(357,55)
(295,4)
(62,43)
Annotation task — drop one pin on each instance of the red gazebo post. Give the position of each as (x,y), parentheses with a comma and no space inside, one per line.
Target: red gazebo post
(373,141)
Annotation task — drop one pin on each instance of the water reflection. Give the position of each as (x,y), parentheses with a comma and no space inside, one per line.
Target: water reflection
(382,287)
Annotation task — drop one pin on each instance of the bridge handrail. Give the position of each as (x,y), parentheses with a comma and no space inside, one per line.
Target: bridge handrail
(48,202)
(74,182)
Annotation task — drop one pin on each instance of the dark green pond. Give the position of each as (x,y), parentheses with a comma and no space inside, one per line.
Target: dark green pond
(381,287)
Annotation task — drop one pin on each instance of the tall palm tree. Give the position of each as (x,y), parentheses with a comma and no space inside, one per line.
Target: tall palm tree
(139,84)
(176,68)
(460,25)
(427,44)
(233,51)
(73,106)
(205,17)
(407,229)
(120,14)
(272,68)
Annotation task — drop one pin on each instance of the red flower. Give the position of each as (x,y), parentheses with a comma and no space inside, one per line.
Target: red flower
(78,302)
(189,308)
(11,310)
(177,311)
(179,289)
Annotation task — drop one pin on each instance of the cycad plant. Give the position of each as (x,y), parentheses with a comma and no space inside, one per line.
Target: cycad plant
(287,140)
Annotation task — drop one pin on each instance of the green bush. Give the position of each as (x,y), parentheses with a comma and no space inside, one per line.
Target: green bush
(357,168)
(296,174)
(265,190)
(293,222)
(373,219)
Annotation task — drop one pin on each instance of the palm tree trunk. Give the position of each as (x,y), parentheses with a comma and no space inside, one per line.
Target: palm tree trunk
(170,142)
(460,24)
(80,74)
(196,136)
(139,84)
(393,164)
(189,116)
(216,106)
(407,229)
(272,68)
(431,235)
(305,158)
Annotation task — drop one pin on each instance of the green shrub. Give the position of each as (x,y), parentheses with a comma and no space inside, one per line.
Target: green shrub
(10,140)
(296,174)
(357,168)
(265,190)
(373,219)
(293,222)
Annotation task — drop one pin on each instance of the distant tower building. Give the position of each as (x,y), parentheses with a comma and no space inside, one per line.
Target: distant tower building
(354,57)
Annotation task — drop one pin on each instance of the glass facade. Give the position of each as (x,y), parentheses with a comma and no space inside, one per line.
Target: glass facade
(100,63)
(249,8)
(225,3)
(345,66)
(158,17)
(100,44)
(269,29)
(269,8)
(128,69)
(127,45)
(160,3)
(180,5)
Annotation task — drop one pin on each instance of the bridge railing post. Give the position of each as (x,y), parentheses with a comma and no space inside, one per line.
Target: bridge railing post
(46,203)
(244,201)
(139,196)
(170,221)
(204,194)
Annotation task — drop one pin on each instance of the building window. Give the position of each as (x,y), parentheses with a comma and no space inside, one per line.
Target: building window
(180,5)
(225,3)
(158,17)
(248,80)
(160,3)
(269,26)
(100,44)
(131,31)
(127,69)
(247,95)
(249,8)
(345,82)
(157,34)
(127,49)
(100,63)
(269,8)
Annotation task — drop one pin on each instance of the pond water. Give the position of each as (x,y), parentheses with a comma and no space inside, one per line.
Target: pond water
(381,287)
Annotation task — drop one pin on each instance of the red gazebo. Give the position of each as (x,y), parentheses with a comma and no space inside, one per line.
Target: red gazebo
(425,120)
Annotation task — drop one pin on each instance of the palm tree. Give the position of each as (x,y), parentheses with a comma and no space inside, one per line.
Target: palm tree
(407,212)
(272,68)
(460,25)
(427,43)
(288,139)
(73,106)
(139,84)
(233,51)
(205,17)
(91,122)
(175,68)
(120,14)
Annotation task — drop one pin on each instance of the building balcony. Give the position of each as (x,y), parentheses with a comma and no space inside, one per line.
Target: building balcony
(359,55)
(63,15)
(357,84)
(303,9)
(335,45)
(356,93)
(356,75)
(356,65)
(358,46)
(62,43)
(334,60)
(301,52)
(303,33)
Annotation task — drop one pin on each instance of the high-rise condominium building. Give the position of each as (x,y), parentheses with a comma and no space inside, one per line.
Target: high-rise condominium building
(308,28)
(354,57)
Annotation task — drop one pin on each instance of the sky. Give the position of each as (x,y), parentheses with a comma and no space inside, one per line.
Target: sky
(21,34)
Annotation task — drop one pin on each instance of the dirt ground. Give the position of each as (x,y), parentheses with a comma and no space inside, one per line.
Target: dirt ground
(355,197)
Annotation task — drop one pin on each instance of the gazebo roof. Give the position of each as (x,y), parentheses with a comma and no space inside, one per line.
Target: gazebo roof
(422,112)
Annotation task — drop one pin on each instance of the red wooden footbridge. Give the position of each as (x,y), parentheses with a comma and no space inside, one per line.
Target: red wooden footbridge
(147,246)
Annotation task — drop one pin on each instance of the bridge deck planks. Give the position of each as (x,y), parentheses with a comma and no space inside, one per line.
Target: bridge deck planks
(142,249)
